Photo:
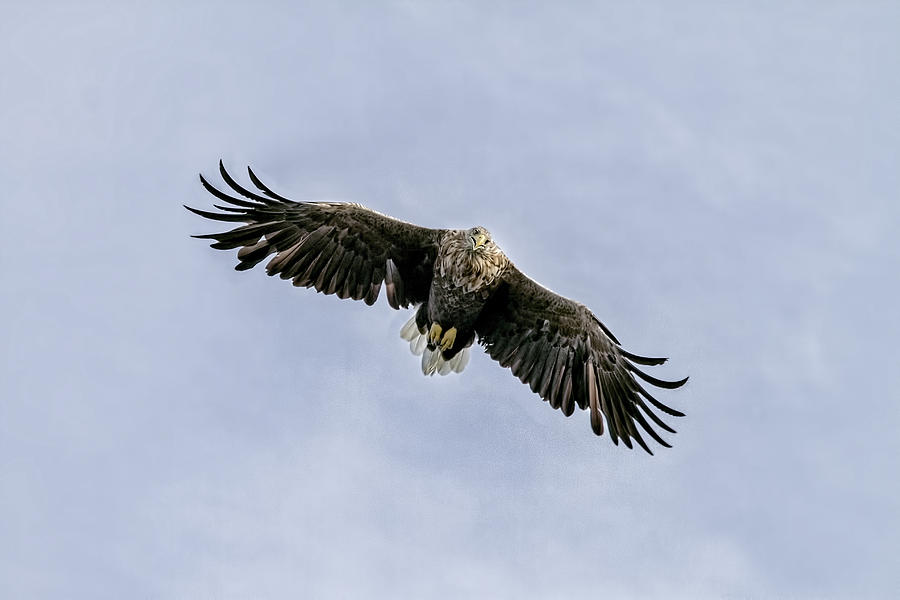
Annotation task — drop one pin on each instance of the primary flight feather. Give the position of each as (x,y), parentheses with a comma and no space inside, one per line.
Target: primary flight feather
(463,287)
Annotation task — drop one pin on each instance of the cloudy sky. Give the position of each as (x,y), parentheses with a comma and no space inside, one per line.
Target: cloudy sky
(719,183)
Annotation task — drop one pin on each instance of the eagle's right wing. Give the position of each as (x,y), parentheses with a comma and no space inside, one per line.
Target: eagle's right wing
(338,248)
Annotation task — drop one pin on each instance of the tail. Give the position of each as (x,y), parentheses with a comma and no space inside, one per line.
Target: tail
(432,361)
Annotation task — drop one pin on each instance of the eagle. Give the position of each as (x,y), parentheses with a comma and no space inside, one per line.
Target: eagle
(463,288)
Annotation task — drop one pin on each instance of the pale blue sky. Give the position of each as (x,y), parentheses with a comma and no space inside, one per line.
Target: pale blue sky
(717,181)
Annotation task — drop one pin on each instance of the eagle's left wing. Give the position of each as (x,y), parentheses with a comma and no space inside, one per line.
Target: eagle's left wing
(336,247)
(567,356)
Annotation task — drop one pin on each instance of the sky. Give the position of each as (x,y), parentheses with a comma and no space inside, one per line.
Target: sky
(717,181)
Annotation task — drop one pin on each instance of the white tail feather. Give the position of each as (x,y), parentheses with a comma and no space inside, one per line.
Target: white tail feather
(410,331)
(417,346)
(459,362)
(433,362)
(430,361)
(443,367)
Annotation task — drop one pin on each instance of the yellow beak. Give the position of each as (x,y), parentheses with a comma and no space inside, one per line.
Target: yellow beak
(480,240)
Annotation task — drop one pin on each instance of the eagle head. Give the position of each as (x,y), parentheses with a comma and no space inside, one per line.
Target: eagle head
(471,258)
(479,240)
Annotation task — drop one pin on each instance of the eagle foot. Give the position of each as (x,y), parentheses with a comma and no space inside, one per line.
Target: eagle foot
(449,339)
(434,334)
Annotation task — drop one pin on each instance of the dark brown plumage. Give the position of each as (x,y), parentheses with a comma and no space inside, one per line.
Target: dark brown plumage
(465,289)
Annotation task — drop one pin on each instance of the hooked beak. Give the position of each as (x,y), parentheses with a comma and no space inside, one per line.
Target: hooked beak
(478,240)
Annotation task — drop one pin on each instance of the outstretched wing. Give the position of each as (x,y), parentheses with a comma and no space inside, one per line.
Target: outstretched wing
(568,357)
(335,247)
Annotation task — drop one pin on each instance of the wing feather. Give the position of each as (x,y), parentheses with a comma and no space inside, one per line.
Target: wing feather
(262,187)
(559,370)
(242,190)
(543,388)
(596,418)
(336,285)
(350,283)
(571,388)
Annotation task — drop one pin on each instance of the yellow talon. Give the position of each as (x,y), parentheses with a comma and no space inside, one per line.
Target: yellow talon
(449,339)
(434,336)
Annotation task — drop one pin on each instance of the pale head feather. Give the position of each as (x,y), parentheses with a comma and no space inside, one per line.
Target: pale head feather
(468,266)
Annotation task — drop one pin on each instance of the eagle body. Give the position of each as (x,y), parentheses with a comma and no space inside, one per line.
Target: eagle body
(466,274)
(463,288)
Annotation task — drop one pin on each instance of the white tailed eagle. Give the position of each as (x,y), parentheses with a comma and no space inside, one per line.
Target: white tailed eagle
(463,288)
